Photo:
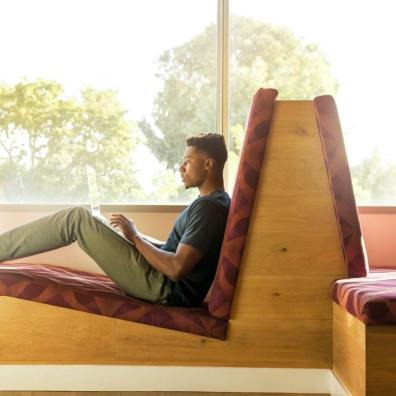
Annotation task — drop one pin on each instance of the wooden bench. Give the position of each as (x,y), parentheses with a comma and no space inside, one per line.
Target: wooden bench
(280,314)
(364,304)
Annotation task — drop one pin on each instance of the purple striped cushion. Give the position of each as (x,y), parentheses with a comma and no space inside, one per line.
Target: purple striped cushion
(371,299)
(98,294)
(258,126)
(341,186)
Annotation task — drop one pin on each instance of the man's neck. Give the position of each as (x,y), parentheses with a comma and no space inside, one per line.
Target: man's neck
(210,189)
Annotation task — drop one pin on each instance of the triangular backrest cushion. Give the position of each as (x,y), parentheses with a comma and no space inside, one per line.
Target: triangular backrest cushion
(257,129)
(341,186)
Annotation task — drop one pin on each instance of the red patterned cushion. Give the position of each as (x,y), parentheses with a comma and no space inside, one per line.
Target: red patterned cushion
(98,294)
(341,186)
(371,299)
(258,126)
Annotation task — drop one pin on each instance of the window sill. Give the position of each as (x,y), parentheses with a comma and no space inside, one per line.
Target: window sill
(106,208)
(147,208)
(377,209)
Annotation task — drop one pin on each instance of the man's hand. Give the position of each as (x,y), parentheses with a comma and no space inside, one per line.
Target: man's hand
(127,226)
(173,265)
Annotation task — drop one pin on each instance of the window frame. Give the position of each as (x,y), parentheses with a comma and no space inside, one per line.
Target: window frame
(222,127)
(222,107)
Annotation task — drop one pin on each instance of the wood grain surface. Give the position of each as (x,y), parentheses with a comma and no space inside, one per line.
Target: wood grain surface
(349,359)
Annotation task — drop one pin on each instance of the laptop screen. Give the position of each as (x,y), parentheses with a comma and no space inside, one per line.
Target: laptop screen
(93,190)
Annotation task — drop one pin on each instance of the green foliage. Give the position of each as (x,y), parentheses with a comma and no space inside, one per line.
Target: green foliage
(374,182)
(261,55)
(168,190)
(47,138)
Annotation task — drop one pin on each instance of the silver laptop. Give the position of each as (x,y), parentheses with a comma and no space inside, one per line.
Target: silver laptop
(94,198)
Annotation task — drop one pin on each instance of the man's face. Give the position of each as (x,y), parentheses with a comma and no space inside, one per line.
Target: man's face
(195,167)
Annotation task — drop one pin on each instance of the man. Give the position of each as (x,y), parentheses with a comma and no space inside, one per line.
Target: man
(178,272)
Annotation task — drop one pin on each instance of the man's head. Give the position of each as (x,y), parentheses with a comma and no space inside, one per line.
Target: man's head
(204,159)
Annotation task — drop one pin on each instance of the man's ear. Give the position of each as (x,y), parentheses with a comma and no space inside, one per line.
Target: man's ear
(210,163)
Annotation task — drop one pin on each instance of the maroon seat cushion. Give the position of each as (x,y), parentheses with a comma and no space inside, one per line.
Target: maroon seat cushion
(258,126)
(371,299)
(341,186)
(98,294)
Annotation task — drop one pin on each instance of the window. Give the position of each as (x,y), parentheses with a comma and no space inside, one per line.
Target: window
(119,84)
(114,84)
(307,48)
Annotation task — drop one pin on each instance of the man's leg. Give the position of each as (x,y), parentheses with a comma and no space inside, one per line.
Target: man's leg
(118,259)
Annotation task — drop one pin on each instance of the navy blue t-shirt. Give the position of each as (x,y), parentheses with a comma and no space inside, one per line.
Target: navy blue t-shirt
(202,226)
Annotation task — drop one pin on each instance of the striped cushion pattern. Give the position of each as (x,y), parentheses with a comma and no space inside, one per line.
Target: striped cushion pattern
(371,299)
(98,294)
(258,126)
(341,186)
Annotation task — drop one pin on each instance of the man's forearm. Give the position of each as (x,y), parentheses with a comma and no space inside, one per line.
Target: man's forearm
(153,241)
(161,260)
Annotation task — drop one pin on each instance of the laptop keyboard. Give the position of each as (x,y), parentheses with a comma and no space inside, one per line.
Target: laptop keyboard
(106,222)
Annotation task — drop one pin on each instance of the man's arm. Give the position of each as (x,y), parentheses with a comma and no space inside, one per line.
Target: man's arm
(153,241)
(174,265)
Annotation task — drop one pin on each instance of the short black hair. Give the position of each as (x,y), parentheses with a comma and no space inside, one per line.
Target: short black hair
(213,144)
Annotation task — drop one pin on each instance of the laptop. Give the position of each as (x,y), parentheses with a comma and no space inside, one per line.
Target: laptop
(94,197)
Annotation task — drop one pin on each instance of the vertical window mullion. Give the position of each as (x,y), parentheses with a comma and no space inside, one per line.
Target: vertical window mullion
(223,72)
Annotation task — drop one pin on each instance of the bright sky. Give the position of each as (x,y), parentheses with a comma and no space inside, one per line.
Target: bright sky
(115,43)
(104,43)
(358,37)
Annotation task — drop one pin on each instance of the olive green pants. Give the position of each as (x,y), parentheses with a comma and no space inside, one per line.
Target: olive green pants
(121,261)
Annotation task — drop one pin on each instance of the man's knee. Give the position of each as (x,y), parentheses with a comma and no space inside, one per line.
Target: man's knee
(78,220)
(79,212)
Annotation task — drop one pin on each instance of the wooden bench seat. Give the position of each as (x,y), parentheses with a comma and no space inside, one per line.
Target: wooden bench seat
(364,308)
(371,299)
(98,294)
(277,303)
(74,289)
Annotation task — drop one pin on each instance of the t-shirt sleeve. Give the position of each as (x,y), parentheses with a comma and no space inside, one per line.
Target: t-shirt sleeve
(203,225)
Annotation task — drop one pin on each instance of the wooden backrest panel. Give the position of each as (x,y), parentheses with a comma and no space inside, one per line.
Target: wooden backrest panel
(282,310)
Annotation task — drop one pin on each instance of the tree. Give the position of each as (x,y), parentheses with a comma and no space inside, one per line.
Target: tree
(47,138)
(260,55)
(374,182)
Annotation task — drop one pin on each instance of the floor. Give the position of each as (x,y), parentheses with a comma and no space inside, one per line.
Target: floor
(14,393)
